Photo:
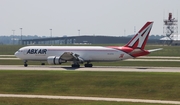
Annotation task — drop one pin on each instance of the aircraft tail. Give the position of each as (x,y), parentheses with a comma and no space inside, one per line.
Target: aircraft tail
(135,47)
(140,39)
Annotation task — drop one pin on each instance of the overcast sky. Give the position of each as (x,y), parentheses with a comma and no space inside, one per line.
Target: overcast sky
(92,17)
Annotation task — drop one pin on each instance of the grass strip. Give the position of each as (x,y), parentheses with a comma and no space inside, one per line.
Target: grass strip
(158,86)
(26,101)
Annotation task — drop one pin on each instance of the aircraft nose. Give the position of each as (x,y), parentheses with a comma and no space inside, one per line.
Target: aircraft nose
(16,54)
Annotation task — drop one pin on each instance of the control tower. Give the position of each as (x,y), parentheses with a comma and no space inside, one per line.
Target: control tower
(170,28)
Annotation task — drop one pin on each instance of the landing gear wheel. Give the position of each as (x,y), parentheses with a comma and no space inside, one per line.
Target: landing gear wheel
(25,65)
(75,65)
(42,63)
(88,65)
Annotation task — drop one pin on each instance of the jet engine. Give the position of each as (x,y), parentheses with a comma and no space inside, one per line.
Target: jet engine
(54,60)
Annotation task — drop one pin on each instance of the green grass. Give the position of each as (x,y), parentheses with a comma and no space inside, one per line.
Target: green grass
(9,49)
(26,101)
(159,86)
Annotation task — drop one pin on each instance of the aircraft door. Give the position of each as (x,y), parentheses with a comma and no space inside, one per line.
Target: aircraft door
(25,51)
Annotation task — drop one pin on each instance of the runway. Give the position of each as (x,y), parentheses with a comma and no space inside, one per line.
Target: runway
(91,98)
(95,68)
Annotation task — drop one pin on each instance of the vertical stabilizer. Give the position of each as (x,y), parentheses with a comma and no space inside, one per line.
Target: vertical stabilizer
(140,39)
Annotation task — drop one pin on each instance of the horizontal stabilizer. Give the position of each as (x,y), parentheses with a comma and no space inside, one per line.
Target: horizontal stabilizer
(155,50)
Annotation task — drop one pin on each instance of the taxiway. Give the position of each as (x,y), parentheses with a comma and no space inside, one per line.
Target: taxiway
(95,68)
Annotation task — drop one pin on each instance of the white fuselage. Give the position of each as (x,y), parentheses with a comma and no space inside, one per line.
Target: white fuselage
(88,53)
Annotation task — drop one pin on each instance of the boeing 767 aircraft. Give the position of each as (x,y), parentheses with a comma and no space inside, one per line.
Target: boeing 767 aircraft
(87,54)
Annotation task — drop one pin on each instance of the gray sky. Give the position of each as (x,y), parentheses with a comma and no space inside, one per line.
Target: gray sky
(99,17)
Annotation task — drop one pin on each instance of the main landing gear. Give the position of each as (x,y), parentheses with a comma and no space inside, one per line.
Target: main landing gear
(75,65)
(88,65)
(42,63)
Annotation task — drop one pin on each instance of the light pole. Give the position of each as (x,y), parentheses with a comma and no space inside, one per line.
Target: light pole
(51,35)
(13,36)
(21,36)
(79,32)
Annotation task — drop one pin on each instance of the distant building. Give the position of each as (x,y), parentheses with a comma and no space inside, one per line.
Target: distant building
(83,40)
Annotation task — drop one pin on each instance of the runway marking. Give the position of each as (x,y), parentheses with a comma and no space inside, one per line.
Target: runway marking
(91,98)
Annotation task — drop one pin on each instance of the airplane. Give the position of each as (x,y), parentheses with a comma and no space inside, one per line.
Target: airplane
(86,54)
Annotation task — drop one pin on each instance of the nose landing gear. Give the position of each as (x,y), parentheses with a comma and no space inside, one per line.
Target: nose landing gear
(25,63)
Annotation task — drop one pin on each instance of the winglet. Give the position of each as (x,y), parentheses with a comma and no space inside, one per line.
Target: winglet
(140,39)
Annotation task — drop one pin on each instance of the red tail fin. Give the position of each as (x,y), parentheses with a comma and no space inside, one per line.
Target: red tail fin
(140,39)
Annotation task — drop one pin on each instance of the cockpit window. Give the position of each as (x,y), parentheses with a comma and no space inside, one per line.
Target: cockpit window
(20,50)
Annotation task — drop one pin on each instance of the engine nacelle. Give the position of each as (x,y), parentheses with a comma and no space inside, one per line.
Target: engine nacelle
(55,60)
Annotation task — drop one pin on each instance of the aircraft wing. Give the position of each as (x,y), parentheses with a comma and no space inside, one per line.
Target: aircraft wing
(70,56)
(155,50)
